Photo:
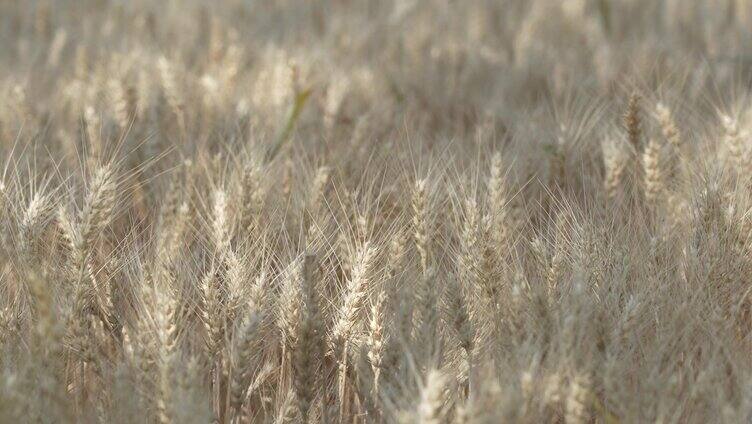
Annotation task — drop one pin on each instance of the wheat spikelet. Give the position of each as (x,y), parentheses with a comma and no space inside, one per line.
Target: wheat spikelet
(653,171)
(459,315)
(172,90)
(497,203)
(33,219)
(734,141)
(470,258)
(396,254)
(165,317)
(242,355)
(285,408)
(47,341)
(144,92)
(210,311)
(171,237)
(6,324)
(251,198)
(669,129)
(98,206)
(308,348)
(94,132)
(431,406)
(632,122)
(236,278)
(220,224)
(289,306)
(347,316)
(287,178)
(66,226)
(164,395)
(96,213)
(320,180)
(355,291)
(56,48)
(376,336)
(34,213)
(616,171)
(316,197)
(556,267)
(576,408)
(427,342)
(421,231)
(45,329)
(123,98)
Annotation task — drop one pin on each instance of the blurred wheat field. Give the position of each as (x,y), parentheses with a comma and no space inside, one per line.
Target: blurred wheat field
(426,211)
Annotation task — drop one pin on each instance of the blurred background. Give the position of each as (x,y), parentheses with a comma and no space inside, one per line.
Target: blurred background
(447,65)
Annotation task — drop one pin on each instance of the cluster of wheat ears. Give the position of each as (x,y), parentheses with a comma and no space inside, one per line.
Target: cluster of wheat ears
(355,211)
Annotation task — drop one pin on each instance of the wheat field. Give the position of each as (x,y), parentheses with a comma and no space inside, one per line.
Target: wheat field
(358,211)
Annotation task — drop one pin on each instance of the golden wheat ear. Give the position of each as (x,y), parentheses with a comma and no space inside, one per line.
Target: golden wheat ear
(633,122)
